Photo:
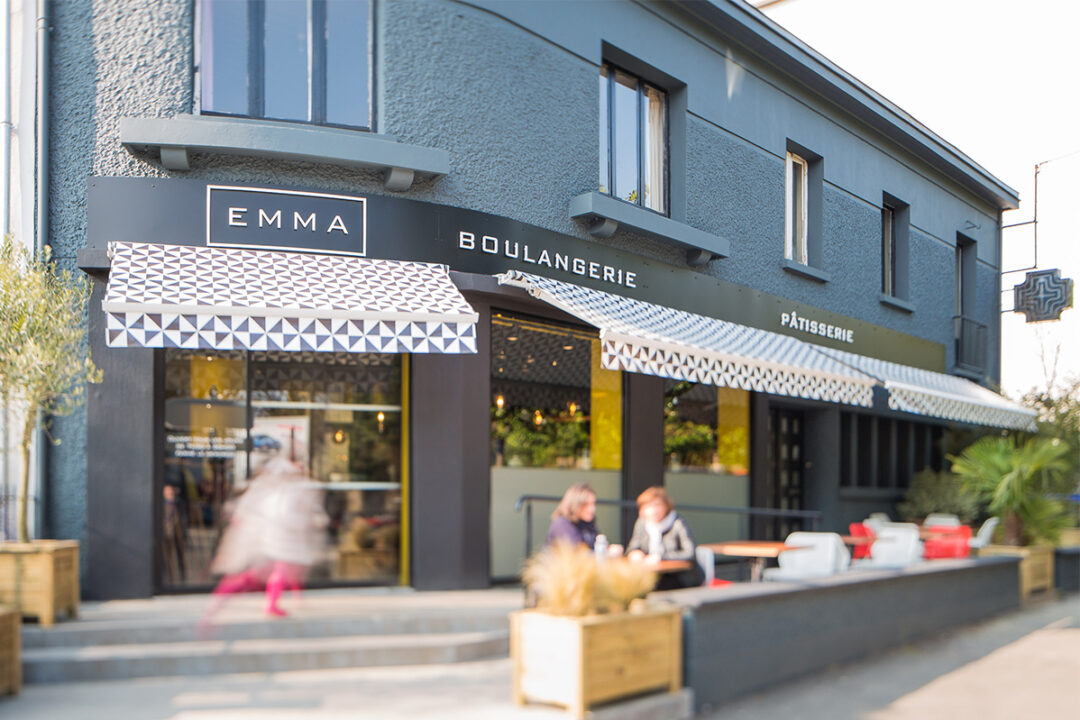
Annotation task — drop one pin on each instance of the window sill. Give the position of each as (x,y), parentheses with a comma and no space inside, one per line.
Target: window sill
(967,371)
(806,271)
(871,493)
(175,139)
(605,215)
(896,303)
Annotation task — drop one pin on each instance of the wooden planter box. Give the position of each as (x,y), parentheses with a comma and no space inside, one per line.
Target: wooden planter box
(40,578)
(578,662)
(1070,537)
(10,652)
(1036,565)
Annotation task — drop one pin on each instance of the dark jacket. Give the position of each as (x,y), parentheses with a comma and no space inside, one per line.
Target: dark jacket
(567,530)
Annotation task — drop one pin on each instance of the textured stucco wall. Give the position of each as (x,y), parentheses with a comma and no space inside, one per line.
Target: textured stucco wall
(514,105)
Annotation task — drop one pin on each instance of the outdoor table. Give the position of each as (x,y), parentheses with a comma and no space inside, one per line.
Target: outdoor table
(858,539)
(756,551)
(669,566)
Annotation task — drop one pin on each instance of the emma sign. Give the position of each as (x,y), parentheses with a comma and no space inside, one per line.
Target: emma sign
(285,220)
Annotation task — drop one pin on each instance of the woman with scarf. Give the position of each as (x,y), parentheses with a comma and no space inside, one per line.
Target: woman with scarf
(661,534)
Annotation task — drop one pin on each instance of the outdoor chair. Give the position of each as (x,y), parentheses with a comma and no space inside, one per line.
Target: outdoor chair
(860,552)
(941,520)
(897,546)
(706,558)
(822,554)
(985,534)
(947,541)
(876,521)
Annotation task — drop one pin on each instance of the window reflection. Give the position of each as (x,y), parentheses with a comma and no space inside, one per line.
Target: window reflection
(707,454)
(338,415)
(556,420)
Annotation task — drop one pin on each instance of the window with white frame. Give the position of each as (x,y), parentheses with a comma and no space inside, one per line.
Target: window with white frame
(795,243)
(633,140)
(298,60)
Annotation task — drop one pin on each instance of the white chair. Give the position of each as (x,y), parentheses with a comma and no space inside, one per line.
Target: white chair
(941,520)
(821,554)
(897,546)
(706,558)
(875,522)
(985,534)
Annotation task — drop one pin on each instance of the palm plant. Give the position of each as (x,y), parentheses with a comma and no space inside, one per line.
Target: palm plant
(1015,479)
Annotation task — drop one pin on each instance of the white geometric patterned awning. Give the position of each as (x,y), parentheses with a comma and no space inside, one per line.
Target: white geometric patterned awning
(940,395)
(641,337)
(231,299)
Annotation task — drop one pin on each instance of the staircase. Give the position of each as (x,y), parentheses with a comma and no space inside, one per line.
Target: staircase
(325,629)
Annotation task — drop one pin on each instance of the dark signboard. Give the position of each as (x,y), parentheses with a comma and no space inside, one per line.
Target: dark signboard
(190,212)
(285,220)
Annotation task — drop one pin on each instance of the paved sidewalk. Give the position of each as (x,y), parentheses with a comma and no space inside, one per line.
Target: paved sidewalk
(1023,665)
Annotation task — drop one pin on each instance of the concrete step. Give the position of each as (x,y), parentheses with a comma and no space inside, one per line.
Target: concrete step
(256,655)
(139,631)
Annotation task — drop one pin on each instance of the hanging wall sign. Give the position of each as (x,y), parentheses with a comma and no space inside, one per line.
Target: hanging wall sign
(1043,295)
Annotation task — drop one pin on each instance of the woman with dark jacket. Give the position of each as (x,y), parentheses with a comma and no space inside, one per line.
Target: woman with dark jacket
(661,534)
(574,520)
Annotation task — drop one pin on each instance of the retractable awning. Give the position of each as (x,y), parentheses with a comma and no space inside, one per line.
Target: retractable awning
(230,299)
(924,392)
(641,337)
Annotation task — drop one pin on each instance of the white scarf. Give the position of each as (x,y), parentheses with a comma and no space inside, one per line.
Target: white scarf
(656,533)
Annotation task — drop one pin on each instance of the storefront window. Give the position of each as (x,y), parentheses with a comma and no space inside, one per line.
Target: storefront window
(707,454)
(556,420)
(338,415)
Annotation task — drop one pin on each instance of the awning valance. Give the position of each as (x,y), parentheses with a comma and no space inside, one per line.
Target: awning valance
(641,337)
(939,395)
(230,299)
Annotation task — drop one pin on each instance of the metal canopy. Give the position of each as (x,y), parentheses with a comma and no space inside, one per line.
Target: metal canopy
(924,392)
(231,299)
(641,337)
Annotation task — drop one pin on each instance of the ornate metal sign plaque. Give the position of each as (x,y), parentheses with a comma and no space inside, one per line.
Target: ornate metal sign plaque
(1043,295)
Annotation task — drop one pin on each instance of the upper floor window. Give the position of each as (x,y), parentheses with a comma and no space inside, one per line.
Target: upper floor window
(895,252)
(299,60)
(633,140)
(888,250)
(795,240)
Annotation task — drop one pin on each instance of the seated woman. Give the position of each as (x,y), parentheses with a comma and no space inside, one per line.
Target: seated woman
(661,534)
(574,520)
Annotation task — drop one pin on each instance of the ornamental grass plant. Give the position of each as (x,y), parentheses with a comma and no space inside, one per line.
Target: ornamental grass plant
(570,580)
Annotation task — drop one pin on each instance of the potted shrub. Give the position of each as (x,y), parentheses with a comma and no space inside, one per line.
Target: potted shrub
(592,639)
(938,492)
(44,366)
(1017,481)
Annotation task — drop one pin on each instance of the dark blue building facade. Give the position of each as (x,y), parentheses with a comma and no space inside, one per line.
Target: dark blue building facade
(691,157)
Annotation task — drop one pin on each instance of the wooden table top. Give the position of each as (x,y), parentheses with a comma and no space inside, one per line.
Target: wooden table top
(662,567)
(857,539)
(752,548)
(670,566)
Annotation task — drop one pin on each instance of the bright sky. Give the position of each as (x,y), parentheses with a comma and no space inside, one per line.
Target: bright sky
(997,79)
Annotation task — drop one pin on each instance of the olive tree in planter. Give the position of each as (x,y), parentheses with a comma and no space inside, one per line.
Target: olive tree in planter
(1017,480)
(44,367)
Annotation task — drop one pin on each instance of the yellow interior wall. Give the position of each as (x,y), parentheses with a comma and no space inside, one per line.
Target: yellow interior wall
(605,428)
(733,430)
(206,373)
